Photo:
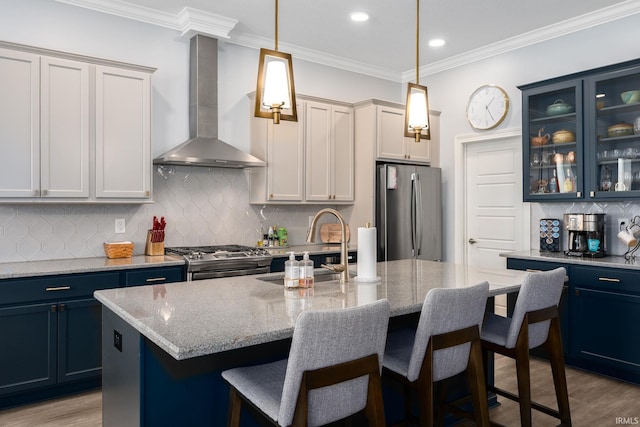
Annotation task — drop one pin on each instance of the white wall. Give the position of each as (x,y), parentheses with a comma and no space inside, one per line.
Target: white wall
(449,92)
(202,206)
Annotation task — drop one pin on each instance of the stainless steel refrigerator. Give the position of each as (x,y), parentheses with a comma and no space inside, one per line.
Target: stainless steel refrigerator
(409,212)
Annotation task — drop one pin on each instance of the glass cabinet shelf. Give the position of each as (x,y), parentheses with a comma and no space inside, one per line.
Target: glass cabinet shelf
(583,129)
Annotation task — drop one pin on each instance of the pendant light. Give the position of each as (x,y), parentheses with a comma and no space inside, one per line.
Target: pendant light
(275,93)
(416,117)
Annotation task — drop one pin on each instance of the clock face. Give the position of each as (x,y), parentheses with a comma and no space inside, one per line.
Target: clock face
(488,106)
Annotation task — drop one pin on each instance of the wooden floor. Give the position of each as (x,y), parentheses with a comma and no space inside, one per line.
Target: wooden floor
(595,402)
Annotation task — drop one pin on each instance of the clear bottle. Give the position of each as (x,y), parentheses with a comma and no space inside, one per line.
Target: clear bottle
(553,183)
(568,182)
(270,236)
(291,272)
(306,271)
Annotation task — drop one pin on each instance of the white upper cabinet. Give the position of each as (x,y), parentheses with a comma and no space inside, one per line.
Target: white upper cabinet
(64,129)
(308,161)
(73,129)
(329,153)
(391,142)
(281,146)
(123,139)
(19,124)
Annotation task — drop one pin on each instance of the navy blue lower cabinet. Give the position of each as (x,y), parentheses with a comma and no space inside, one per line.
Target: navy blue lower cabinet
(29,332)
(79,339)
(604,335)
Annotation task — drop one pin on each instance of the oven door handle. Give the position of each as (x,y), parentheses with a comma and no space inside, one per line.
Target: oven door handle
(216,274)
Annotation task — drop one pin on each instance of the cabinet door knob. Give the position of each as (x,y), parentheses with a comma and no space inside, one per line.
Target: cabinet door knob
(472,241)
(45,192)
(61,307)
(578,193)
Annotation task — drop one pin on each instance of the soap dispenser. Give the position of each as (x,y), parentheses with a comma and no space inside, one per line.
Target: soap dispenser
(306,271)
(291,272)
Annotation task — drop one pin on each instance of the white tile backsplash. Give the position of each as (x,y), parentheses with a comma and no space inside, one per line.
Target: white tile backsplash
(613,211)
(202,206)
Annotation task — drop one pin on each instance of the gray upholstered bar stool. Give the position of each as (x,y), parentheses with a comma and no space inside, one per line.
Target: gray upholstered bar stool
(534,323)
(336,350)
(445,343)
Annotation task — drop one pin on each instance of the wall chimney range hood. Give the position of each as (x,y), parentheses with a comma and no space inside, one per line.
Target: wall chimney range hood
(203,148)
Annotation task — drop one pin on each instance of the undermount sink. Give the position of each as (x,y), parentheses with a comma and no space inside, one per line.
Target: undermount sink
(279,278)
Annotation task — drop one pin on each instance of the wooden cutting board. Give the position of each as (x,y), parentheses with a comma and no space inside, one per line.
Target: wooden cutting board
(331,233)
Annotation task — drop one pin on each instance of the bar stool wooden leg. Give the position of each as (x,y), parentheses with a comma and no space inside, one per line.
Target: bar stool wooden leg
(475,370)
(556,358)
(235,403)
(524,385)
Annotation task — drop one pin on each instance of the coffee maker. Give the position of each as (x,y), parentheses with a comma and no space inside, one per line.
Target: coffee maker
(586,235)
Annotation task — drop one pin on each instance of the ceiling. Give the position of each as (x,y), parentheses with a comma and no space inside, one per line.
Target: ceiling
(384,46)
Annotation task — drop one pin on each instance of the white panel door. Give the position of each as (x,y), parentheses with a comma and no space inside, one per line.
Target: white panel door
(495,213)
(64,128)
(19,124)
(123,133)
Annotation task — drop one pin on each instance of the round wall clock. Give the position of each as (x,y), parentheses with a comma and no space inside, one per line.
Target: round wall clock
(488,106)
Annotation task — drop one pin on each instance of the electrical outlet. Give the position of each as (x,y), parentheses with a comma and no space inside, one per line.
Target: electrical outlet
(120,226)
(117,340)
(622,222)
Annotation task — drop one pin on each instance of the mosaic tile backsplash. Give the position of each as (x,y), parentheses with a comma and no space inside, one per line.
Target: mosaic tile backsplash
(613,210)
(202,206)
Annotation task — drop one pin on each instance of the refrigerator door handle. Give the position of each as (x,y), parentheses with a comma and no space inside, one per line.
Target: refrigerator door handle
(414,199)
(419,216)
(382,221)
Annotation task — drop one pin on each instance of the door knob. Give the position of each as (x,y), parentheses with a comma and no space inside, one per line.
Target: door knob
(472,240)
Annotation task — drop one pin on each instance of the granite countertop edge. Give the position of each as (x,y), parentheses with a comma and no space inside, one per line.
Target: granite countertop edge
(612,261)
(23,269)
(249,310)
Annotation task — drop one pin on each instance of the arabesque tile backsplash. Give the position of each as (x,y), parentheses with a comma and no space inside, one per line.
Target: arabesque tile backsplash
(202,206)
(613,211)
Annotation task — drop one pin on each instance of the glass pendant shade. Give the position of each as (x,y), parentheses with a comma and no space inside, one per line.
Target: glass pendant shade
(275,93)
(416,120)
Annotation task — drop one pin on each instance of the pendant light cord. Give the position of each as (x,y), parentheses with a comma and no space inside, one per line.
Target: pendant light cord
(276,49)
(417,41)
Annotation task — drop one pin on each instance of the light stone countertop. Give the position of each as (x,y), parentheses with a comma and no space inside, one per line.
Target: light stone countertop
(607,261)
(12,270)
(190,319)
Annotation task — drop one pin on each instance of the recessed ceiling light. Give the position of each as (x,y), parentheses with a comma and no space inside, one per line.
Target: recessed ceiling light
(436,42)
(359,16)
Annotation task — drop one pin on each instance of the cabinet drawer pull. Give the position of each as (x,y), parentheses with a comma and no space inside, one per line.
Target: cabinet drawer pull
(58,288)
(531,270)
(156,279)
(62,307)
(608,279)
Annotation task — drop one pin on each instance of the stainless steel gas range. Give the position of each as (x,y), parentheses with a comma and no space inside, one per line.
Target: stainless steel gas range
(210,262)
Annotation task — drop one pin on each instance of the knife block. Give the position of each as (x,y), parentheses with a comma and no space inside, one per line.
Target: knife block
(153,248)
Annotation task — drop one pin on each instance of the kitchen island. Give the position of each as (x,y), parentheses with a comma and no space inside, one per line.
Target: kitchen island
(164,346)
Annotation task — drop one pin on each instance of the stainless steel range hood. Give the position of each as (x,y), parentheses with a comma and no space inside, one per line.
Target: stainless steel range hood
(204,148)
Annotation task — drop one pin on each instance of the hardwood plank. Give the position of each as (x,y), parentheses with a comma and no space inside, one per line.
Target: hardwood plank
(595,401)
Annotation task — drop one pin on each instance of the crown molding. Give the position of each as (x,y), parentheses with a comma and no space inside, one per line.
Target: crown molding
(322,58)
(589,20)
(190,21)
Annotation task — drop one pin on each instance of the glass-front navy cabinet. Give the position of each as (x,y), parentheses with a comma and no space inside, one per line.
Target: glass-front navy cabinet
(581,136)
